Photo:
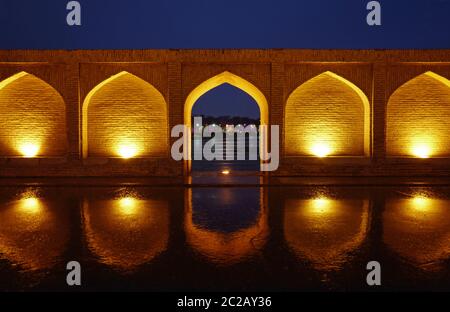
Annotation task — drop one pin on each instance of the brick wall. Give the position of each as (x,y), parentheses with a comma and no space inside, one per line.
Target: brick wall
(418,114)
(33,116)
(324,110)
(173,74)
(126,111)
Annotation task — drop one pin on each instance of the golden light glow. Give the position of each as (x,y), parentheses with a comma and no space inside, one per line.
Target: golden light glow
(29,150)
(127,151)
(421,150)
(33,231)
(321,205)
(330,112)
(418,229)
(128,205)
(116,119)
(321,150)
(421,203)
(419,206)
(30,204)
(225,171)
(126,232)
(33,117)
(415,115)
(324,231)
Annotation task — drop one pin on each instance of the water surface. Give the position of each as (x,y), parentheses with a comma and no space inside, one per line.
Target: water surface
(225,238)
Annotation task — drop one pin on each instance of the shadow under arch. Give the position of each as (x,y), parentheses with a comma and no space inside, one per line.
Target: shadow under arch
(145,131)
(33,119)
(321,85)
(416,118)
(211,83)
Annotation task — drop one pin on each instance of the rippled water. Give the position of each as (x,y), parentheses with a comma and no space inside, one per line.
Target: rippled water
(224,238)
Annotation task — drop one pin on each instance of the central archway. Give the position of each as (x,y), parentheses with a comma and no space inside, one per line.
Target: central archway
(211,83)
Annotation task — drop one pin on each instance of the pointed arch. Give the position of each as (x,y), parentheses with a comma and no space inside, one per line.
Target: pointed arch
(124,112)
(330,112)
(417,118)
(402,218)
(234,80)
(33,118)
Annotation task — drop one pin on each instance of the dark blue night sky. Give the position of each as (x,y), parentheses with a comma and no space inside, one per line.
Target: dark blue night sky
(124,24)
(226,100)
(157,24)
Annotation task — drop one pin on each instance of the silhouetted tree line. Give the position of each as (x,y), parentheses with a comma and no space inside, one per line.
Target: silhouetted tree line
(227,120)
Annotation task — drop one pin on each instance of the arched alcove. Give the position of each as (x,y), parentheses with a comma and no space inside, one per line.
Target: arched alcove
(327,114)
(32,119)
(124,116)
(417,118)
(235,81)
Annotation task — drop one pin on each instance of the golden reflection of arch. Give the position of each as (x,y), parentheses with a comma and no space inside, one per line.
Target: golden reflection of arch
(33,234)
(327,113)
(324,231)
(226,248)
(418,229)
(126,232)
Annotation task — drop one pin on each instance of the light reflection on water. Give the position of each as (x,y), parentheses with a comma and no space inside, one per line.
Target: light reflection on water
(233,238)
(417,228)
(325,230)
(33,231)
(127,231)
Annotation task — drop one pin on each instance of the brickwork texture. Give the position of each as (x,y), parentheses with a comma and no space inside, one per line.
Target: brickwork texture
(76,113)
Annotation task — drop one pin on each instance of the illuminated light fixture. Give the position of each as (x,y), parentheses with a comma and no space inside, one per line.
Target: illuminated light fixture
(30,204)
(127,151)
(421,151)
(225,171)
(127,205)
(321,150)
(29,150)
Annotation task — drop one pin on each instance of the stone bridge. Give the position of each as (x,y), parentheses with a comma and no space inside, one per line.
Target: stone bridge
(369,112)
